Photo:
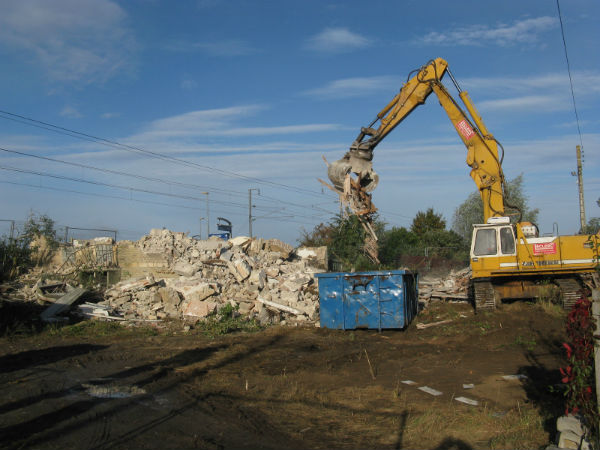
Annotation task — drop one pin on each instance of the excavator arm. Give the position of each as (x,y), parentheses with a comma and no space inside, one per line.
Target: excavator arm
(482,148)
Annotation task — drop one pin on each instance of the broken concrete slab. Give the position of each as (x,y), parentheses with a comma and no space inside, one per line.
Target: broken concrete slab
(199,308)
(63,303)
(240,241)
(316,256)
(275,245)
(169,296)
(280,307)
(198,292)
(467,401)
(184,268)
(430,391)
(259,278)
(570,423)
(240,269)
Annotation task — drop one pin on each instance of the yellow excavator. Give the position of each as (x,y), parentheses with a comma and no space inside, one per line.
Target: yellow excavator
(508,260)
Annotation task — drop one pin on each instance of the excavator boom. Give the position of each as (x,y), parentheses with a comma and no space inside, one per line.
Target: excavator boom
(482,148)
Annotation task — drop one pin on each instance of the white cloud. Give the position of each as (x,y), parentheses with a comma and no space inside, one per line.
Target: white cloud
(521,32)
(355,87)
(336,40)
(110,115)
(545,93)
(545,103)
(583,82)
(70,112)
(218,122)
(188,83)
(73,40)
(229,47)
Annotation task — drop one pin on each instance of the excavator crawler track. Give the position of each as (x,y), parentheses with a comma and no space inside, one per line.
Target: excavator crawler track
(484,295)
(570,290)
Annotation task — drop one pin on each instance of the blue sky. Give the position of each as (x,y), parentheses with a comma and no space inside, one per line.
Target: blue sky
(219,96)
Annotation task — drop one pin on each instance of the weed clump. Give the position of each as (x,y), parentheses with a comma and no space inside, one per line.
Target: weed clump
(227,320)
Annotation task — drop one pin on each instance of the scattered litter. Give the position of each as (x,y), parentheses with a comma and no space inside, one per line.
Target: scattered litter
(466,400)
(515,377)
(468,386)
(422,326)
(112,391)
(410,382)
(430,391)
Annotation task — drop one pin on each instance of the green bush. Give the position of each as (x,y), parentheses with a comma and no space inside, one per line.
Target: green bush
(15,258)
(227,320)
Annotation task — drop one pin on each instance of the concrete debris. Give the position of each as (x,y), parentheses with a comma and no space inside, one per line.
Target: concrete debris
(453,287)
(516,377)
(422,326)
(572,433)
(62,304)
(430,391)
(467,401)
(263,279)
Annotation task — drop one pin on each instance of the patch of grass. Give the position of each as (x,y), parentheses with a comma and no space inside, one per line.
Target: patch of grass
(458,427)
(227,320)
(518,429)
(97,328)
(484,327)
(528,343)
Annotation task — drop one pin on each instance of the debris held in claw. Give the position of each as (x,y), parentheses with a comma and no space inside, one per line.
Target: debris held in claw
(355,194)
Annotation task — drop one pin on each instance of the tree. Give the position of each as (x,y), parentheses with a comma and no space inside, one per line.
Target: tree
(396,242)
(427,221)
(444,243)
(344,238)
(592,227)
(321,234)
(39,225)
(35,245)
(471,210)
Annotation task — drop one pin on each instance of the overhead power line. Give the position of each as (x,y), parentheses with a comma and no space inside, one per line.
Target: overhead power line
(100,195)
(144,191)
(72,191)
(121,173)
(562,31)
(130,148)
(161,180)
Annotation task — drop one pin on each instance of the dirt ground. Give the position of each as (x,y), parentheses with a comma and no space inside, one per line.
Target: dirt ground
(100,387)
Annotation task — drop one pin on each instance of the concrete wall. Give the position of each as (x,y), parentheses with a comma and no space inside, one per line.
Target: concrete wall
(135,263)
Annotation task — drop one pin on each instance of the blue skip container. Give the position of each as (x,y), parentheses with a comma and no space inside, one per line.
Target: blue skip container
(377,300)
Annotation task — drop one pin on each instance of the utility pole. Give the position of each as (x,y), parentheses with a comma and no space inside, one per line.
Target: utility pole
(207,216)
(250,209)
(579,175)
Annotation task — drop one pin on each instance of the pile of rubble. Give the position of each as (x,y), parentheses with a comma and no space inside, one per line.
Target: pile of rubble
(452,287)
(265,279)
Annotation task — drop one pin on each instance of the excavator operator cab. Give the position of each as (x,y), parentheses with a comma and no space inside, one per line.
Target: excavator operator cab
(493,239)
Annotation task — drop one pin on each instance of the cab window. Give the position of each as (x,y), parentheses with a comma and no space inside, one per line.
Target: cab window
(485,242)
(507,241)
